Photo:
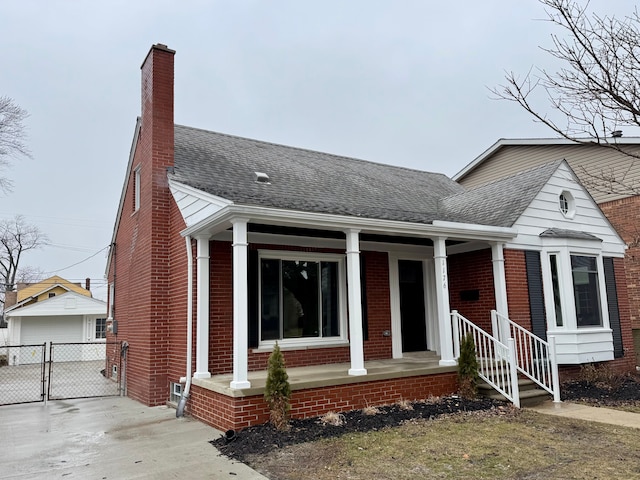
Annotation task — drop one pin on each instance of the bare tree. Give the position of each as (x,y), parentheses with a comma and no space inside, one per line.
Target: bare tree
(12,136)
(16,238)
(597,91)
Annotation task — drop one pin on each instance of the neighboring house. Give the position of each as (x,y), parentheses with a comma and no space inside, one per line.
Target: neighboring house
(223,246)
(56,310)
(612,178)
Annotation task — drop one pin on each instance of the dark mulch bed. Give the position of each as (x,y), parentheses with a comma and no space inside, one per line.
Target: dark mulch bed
(622,391)
(262,439)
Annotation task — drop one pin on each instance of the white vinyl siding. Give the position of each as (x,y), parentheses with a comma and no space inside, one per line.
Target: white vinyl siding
(544,210)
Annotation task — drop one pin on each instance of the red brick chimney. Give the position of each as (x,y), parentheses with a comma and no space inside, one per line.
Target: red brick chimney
(10,299)
(157,106)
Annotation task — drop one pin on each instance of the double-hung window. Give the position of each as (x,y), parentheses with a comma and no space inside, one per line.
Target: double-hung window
(301,297)
(584,292)
(101,328)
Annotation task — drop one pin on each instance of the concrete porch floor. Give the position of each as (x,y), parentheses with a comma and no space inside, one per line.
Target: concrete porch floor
(300,378)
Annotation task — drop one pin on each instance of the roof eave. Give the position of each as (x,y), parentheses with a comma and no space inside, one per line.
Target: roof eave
(295,218)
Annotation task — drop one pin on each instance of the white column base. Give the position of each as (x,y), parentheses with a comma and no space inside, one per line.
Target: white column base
(201,375)
(448,363)
(357,371)
(240,385)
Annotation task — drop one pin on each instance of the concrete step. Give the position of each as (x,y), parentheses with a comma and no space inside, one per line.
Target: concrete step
(530,393)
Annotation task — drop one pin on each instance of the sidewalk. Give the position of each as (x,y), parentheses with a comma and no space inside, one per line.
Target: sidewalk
(109,439)
(592,414)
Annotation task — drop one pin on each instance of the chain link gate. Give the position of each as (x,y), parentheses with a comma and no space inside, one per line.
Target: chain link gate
(33,373)
(22,374)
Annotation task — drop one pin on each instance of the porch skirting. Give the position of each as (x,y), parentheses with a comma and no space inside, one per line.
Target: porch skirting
(320,389)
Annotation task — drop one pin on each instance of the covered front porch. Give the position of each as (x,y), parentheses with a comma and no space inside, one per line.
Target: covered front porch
(413,364)
(320,389)
(428,246)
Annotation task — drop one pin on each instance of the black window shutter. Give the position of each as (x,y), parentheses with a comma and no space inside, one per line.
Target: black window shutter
(612,304)
(363,294)
(536,295)
(253,300)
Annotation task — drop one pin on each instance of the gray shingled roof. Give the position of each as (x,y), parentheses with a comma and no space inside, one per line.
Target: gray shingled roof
(225,166)
(502,202)
(564,233)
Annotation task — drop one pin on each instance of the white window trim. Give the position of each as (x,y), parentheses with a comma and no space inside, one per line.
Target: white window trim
(571,204)
(136,189)
(567,300)
(306,342)
(111,303)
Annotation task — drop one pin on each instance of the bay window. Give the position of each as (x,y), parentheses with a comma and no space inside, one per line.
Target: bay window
(301,299)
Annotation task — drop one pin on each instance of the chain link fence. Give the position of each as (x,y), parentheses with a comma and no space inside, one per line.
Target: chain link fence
(34,373)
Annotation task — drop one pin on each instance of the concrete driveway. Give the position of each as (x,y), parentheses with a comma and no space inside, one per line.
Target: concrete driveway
(108,439)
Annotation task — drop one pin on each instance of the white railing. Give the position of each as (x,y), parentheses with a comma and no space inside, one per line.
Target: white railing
(535,358)
(496,360)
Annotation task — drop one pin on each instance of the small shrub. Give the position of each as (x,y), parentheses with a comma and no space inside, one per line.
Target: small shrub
(370,410)
(277,392)
(468,368)
(332,418)
(602,376)
(405,404)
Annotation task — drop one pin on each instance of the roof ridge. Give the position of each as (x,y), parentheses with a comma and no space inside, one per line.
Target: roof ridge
(301,149)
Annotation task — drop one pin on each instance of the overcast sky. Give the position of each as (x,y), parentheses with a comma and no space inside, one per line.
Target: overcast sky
(400,82)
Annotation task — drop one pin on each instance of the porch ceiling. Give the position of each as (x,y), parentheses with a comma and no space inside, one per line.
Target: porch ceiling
(317,376)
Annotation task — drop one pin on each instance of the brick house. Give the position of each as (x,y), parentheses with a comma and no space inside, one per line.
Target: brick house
(365,274)
(611,177)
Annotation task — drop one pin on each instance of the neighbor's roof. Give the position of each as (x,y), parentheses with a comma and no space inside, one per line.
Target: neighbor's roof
(36,289)
(500,203)
(505,142)
(226,166)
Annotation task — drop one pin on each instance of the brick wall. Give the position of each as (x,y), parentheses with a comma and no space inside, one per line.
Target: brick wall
(624,215)
(226,413)
(468,272)
(378,305)
(517,287)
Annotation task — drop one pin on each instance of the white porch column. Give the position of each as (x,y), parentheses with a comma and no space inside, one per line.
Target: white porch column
(355,304)
(442,301)
(500,283)
(202,308)
(240,307)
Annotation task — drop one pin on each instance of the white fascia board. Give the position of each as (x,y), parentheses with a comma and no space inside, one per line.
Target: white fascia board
(125,184)
(196,205)
(295,218)
(214,199)
(85,306)
(503,142)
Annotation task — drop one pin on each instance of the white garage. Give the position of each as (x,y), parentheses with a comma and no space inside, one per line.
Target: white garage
(68,318)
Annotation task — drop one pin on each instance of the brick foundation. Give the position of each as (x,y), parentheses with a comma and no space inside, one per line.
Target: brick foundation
(225,413)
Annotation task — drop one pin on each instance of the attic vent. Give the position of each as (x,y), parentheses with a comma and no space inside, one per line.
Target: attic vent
(262,178)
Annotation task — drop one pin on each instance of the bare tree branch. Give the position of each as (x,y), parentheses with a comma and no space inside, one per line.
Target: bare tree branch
(596,93)
(16,238)
(12,136)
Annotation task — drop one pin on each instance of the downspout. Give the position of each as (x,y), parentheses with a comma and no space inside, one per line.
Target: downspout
(185,394)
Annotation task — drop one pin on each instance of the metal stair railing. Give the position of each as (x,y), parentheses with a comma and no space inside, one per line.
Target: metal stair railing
(535,357)
(496,360)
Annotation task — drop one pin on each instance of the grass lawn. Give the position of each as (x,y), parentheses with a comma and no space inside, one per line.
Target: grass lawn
(520,445)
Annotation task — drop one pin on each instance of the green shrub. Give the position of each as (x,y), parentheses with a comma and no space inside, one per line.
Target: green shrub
(467,368)
(277,392)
